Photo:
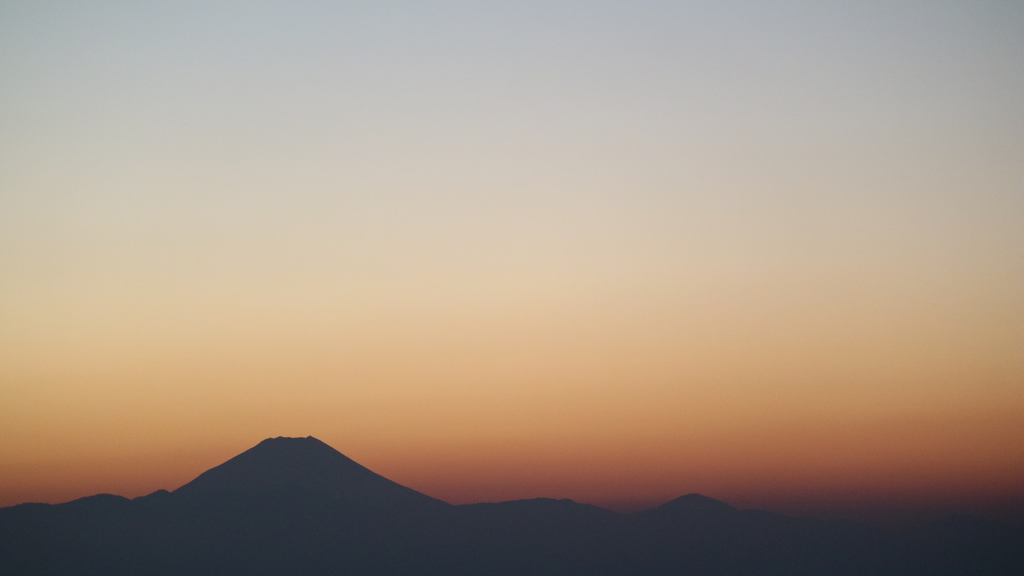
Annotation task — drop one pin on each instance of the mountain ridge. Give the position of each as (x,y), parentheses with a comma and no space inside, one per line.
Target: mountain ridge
(297,506)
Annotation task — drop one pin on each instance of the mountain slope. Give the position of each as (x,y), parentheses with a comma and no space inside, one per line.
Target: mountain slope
(304,465)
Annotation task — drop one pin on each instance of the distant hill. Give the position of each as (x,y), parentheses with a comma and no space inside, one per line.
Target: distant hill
(296,506)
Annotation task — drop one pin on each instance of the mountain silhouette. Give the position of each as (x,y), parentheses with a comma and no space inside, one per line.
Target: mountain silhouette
(692,505)
(304,465)
(297,507)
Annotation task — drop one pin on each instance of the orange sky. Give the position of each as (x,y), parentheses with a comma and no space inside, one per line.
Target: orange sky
(615,253)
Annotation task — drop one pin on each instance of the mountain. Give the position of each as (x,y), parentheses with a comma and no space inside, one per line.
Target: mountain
(691,507)
(296,506)
(304,465)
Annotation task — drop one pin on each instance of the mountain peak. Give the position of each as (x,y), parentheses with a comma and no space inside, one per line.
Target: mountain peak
(302,464)
(281,441)
(691,506)
(290,439)
(698,502)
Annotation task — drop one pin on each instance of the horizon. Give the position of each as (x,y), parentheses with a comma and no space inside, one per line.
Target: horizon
(298,506)
(891,512)
(609,251)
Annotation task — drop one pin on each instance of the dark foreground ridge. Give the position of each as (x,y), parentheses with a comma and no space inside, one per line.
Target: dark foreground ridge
(296,506)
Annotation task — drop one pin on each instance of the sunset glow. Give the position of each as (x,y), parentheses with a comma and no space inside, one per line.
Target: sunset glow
(610,251)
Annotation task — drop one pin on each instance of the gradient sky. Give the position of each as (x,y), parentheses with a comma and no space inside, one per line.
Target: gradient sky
(771,252)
